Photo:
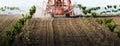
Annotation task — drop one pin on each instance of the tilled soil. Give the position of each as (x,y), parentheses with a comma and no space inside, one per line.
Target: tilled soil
(65,32)
(6,21)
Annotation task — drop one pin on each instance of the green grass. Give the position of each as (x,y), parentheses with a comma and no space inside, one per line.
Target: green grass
(108,23)
(105,21)
(118,32)
(99,21)
(111,26)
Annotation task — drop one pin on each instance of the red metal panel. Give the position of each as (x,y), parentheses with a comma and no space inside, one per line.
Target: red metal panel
(58,7)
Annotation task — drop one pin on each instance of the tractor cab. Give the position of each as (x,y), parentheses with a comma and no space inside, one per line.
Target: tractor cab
(59,7)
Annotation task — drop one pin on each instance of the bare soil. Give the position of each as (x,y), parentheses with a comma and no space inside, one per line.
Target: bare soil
(66,32)
(61,32)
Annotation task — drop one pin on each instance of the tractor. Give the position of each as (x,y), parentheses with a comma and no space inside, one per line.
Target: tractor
(59,7)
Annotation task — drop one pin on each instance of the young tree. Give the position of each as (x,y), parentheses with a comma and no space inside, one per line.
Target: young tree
(108,11)
(119,9)
(79,5)
(103,12)
(108,6)
(97,8)
(93,14)
(89,10)
(83,7)
(84,10)
(105,8)
(115,6)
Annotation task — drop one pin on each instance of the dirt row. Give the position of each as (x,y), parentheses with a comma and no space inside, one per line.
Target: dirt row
(82,32)
(61,32)
(6,21)
(65,32)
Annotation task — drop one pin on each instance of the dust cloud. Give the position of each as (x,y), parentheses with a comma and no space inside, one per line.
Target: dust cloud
(40,13)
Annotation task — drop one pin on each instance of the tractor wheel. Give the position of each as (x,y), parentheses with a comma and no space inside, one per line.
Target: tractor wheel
(67,15)
(52,15)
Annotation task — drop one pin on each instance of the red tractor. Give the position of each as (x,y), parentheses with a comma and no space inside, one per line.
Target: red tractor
(59,7)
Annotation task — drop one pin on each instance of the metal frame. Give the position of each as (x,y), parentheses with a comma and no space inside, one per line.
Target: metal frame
(52,6)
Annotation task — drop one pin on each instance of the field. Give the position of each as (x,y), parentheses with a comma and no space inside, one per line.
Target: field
(6,21)
(62,32)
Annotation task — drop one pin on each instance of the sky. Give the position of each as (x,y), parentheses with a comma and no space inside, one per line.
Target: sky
(42,2)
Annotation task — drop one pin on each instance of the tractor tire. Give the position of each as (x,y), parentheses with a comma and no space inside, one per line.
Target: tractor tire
(67,15)
(52,15)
